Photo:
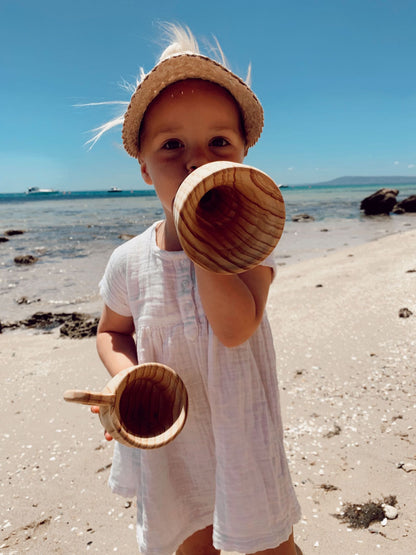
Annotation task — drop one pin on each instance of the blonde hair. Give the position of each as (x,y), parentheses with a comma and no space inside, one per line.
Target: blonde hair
(180,41)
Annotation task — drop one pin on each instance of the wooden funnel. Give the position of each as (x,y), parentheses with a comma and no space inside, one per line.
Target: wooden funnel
(144,406)
(229,217)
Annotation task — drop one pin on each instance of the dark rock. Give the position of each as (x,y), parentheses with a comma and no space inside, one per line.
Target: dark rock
(74,325)
(302,218)
(405,313)
(79,329)
(406,205)
(45,320)
(25,259)
(3,239)
(380,202)
(11,232)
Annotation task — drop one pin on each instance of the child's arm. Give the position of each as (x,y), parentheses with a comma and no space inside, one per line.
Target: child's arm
(115,345)
(115,342)
(234,304)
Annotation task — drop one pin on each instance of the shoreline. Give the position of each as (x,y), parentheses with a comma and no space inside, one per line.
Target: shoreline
(346,370)
(71,284)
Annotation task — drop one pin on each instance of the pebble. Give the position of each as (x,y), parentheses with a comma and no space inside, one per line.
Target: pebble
(409,467)
(390,512)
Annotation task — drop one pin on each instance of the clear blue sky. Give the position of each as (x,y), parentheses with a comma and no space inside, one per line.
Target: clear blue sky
(337,80)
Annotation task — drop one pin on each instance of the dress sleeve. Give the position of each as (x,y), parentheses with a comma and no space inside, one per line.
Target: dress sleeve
(271,262)
(113,285)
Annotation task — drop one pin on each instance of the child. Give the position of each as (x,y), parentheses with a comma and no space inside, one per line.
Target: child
(224,482)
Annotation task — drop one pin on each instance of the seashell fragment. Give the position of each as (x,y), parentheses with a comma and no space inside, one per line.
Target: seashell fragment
(390,512)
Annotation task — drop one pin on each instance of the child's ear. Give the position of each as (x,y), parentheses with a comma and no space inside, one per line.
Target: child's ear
(145,174)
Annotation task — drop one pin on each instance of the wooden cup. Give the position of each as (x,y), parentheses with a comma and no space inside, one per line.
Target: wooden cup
(228,216)
(143,406)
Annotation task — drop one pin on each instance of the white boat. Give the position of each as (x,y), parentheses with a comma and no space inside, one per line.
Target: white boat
(41,191)
(115,190)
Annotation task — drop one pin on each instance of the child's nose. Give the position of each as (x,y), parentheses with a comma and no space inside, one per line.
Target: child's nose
(196,159)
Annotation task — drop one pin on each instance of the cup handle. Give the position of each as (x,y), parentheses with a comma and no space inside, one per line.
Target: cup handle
(89,398)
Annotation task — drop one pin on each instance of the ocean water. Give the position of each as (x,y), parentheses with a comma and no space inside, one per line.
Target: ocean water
(73,235)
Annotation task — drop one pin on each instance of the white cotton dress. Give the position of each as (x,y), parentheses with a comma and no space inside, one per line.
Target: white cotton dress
(228,465)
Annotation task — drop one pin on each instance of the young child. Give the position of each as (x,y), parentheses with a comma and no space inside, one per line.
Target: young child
(224,482)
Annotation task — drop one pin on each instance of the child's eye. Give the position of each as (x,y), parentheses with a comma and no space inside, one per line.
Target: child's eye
(219,141)
(172,144)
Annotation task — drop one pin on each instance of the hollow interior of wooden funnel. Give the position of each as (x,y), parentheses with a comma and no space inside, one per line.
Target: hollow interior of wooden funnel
(218,207)
(148,408)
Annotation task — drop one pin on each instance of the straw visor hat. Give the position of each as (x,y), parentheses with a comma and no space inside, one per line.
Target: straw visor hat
(189,65)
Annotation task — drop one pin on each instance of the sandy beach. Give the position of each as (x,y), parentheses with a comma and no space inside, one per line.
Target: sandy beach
(346,366)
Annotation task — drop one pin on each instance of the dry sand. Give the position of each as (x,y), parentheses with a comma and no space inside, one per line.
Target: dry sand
(347,374)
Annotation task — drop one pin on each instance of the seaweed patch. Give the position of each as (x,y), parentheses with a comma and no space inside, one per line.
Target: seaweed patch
(361,515)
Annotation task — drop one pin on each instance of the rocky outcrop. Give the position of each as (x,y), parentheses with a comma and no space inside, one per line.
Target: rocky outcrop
(381,202)
(406,205)
(75,325)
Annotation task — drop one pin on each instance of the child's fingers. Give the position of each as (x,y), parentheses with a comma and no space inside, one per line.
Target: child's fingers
(95,410)
(107,436)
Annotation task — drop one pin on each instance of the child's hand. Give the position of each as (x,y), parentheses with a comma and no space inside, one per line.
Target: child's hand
(96,410)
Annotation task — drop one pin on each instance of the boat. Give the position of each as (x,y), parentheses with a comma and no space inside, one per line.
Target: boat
(115,190)
(41,191)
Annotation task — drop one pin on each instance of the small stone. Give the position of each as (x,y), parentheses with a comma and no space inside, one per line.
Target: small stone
(25,259)
(25,300)
(390,512)
(405,313)
(409,467)
(11,232)
(302,218)
(125,236)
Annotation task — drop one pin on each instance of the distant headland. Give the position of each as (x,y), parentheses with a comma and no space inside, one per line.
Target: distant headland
(369,180)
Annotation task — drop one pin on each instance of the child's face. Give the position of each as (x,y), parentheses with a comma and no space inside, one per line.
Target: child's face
(189,124)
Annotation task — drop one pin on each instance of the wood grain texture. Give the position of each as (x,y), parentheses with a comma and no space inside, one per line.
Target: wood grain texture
(229,217)
(89,398)
(143,406)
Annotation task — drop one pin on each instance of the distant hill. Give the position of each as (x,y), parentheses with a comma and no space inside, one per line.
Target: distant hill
(371,180)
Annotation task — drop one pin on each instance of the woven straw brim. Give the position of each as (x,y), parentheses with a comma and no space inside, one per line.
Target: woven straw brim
(190,66)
